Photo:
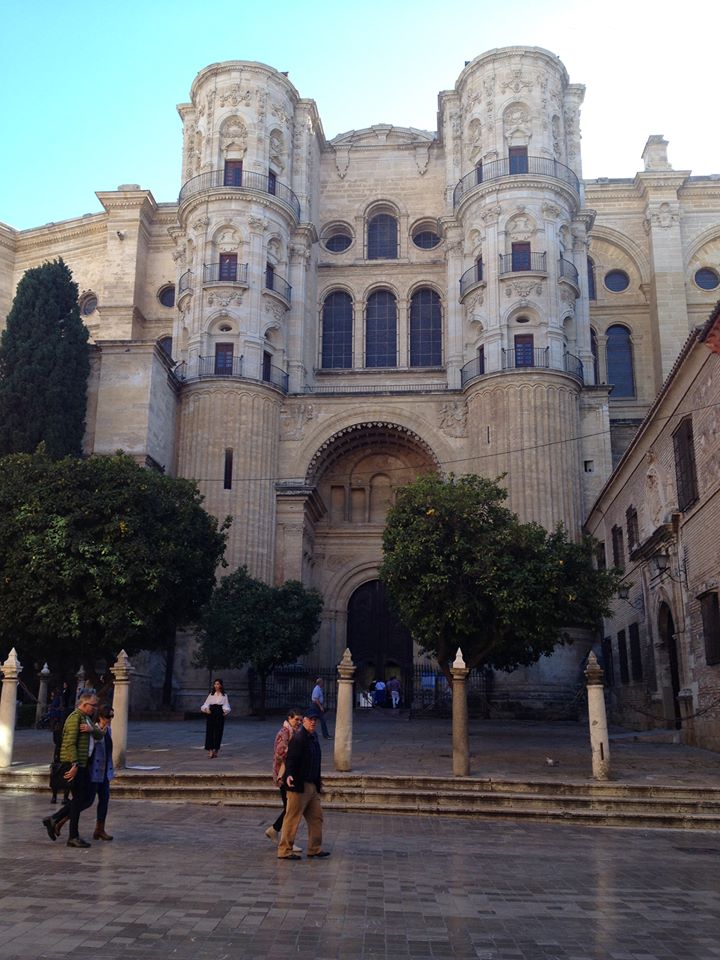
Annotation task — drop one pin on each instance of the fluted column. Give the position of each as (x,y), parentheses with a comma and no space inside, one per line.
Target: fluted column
(121,671)
(344,713)
(11,670)
(599,741)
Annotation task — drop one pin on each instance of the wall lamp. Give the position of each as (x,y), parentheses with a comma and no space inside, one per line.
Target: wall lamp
(661,561)
(623,592)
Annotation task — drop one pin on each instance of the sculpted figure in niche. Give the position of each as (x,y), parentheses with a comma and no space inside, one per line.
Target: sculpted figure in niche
(293,419)
(656,500)
(277,150)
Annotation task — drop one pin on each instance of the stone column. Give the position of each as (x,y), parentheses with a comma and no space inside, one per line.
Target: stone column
(41,707)
(460,737)
(597,717)
(80,678)
(344,713)
(8,707)
(121,670)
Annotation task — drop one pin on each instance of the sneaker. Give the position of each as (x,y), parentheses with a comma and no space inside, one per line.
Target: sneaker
(272,834)
(297,849)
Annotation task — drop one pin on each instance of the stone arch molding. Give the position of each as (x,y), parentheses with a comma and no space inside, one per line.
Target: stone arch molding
(336,444)
(346,581)
(628,247)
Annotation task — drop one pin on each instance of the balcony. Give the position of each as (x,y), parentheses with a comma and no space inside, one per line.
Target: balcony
(277,284)
(471,279)
(522,358)
(515,167)
(225,273)
(248,182)
(225,367)
(185,282)
(524,262)
(568,271)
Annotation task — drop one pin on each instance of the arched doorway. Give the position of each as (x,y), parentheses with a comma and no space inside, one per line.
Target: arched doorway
(380,645)
(666,627)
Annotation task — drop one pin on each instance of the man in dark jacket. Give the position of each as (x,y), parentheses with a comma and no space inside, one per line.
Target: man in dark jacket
(303,780)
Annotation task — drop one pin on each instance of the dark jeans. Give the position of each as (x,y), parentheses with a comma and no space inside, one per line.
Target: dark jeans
(324,727)
(283,796)
(79,800)
(102,791)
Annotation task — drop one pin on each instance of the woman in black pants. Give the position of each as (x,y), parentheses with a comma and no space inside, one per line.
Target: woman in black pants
(217,707)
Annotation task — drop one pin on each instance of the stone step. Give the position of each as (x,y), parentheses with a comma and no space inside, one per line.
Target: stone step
(618,804)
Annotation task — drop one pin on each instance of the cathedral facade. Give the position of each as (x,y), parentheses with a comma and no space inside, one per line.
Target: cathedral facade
(314,323)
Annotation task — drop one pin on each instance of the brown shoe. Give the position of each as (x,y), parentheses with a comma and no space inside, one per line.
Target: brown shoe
(100,831)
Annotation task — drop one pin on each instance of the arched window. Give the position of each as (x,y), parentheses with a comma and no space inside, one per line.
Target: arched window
(382,242)
(425,329)
(620,362)
(337,324)
(592,293)
(381,330)
(595,355)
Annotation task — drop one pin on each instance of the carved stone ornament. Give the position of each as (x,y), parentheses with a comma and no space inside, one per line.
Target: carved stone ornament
(453,418)
(550,211)
(342,161)
(225,299)
(422,157)
(336,561)
(491,215)
(200,224)
(655,502)
(257,223)
(523,288)
(276,311)
(235,96)
(233,132)
(293,420)
(178,255)
(516,83)
(280,114)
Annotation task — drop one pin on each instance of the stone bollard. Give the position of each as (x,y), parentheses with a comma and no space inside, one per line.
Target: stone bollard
(80,685)
(597,717)
(11,670)
(121,670)
(344,713)
(460,736)
(41,707)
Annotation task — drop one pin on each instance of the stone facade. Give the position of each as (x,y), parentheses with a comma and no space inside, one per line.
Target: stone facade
(349,314)
(658,517)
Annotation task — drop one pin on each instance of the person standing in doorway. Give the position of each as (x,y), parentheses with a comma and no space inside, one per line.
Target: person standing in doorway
(217,707)
(318,699)
(303,778)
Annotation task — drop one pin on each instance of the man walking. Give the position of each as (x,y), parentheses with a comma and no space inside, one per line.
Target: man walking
(75,750)
(303,778)
(318,699)
(282,739)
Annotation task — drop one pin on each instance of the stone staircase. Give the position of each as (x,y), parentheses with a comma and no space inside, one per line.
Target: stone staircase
(617,804)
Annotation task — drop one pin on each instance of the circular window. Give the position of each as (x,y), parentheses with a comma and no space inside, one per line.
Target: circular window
(88,304)
(707,278)
(338,242)
(166,295)
(426,239)
(523,320)
(616,281)
(225,328)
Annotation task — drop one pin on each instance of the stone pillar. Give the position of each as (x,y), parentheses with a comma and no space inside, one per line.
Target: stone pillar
(460,736)
(41,707)
(597,717)
(80,686)
(687,715)
(8,707)
(121,670)
(344,713)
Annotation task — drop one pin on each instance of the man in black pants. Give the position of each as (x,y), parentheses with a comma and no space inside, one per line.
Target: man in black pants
(74,753)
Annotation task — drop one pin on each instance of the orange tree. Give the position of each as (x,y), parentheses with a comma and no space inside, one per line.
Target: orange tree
(463,571)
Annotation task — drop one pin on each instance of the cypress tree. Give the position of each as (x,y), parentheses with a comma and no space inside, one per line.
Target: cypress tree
(44,366)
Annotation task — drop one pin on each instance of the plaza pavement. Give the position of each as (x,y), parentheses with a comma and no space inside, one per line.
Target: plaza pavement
(190,882)
(387,743)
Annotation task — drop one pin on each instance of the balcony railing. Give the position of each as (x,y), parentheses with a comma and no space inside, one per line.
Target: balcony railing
(507,167)
(232,368)
(521,358)
(225,273)
(471,278)
(248,181)
(185,282)
(523,262)
(278,285)
(568,271)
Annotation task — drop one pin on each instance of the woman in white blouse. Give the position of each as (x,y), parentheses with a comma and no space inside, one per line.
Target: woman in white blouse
(217,708)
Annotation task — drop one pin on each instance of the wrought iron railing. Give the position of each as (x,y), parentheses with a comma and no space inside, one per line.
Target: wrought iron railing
(568,271)
(246,181)
(525,356)
(573,365)
(521,357)
(523,262)
(225,273)
(473,368)
(385,387)
(185,281)
(513,167)
(471,277)
(224,366)
(279,285)
(292,686)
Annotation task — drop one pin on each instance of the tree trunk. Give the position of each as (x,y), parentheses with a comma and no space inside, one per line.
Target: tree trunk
(169,667)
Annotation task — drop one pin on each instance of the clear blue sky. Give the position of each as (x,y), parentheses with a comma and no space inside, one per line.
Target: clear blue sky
(89,88)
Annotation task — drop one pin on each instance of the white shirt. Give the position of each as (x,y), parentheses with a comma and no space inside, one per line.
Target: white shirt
(219,699)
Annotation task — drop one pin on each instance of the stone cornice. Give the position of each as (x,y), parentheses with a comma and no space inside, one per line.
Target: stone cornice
(254,67)
(140,200)
(94,225)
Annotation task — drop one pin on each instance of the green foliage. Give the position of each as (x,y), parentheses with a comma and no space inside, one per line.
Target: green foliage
(99,554)
(249,622)
(464,572)
(44,366)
